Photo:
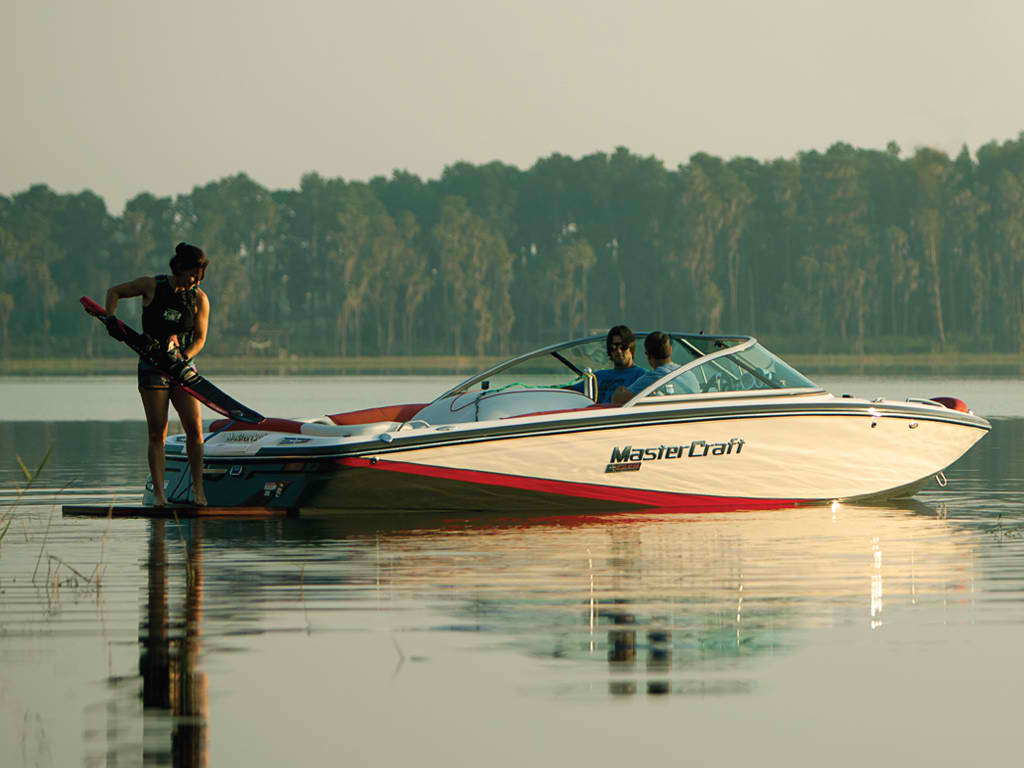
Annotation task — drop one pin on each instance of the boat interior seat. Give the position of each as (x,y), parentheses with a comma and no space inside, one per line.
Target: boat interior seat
(318,429)
(403,412)
(317,420)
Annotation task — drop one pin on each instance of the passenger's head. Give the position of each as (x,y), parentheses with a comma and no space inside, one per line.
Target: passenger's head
(658,346)
(621,346)
(189,259)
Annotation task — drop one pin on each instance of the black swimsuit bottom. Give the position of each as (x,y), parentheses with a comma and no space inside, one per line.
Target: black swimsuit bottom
(151,377)
(154,378)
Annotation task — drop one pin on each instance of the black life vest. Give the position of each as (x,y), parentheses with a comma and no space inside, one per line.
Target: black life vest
(170,313)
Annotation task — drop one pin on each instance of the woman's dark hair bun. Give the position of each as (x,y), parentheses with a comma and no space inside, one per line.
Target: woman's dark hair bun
(188,256)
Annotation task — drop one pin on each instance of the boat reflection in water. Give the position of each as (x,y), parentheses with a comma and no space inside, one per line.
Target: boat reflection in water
(675,604)
(690,608)
(174,689)
(651,603)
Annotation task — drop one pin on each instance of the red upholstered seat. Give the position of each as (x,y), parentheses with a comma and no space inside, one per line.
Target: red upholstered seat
(350,418)
(952,402)
(269,425)
(386,413)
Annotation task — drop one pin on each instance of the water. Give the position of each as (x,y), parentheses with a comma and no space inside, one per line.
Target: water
(838,635)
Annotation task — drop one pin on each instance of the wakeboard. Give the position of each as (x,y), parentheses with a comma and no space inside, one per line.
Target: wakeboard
(184,375)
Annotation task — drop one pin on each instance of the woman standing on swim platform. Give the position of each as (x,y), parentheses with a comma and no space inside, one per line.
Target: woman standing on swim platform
(175,313)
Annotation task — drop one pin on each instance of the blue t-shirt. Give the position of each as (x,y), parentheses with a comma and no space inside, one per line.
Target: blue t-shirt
(683,384)
(611,379)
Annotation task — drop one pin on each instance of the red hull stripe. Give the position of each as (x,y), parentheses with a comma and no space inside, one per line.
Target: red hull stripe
(578,490)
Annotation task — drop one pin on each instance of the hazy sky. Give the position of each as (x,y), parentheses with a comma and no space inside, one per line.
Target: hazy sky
(124,96)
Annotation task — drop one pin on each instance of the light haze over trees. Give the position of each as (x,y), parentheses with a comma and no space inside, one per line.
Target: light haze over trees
(845,250)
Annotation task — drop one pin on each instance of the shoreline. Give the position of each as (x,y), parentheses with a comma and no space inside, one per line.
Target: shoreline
(1001,364)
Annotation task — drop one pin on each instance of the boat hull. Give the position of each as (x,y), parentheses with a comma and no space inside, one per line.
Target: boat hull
(687,462)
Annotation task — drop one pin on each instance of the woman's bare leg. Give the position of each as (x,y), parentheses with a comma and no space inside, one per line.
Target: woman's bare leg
(190,414)
(155,402)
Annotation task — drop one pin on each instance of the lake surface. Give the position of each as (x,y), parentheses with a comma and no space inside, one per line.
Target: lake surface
(838,635)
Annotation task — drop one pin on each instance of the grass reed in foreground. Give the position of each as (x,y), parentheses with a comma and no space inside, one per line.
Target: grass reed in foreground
(54,563)
(7,517)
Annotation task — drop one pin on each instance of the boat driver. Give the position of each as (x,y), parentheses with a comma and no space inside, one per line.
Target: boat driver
(620,345)
(658,346)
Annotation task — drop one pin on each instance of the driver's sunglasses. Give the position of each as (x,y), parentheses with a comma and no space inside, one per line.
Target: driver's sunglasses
(618,345)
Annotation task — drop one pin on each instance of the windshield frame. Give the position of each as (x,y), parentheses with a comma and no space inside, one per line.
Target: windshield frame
(644,396)
(552,349)
(684,339)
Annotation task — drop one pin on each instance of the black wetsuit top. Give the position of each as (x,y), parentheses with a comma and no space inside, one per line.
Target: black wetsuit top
(170,312)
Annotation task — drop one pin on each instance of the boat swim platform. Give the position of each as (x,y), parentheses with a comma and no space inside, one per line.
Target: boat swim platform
(171,511)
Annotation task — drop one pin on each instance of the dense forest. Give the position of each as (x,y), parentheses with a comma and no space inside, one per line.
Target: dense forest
(848,250)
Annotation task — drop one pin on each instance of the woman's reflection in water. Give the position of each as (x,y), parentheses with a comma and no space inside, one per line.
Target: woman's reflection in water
(174,691)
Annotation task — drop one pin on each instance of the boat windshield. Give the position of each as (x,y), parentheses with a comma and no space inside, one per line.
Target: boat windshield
(552,367)
(564,365)
(748,368)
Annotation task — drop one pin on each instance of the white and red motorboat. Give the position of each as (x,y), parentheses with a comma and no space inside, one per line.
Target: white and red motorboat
(756,434)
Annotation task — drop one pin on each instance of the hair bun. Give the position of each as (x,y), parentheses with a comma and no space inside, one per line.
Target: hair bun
(187,256)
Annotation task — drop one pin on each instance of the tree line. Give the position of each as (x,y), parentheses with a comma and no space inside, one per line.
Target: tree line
(844,250)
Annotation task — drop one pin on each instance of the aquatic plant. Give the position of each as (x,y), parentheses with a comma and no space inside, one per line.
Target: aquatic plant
(59,573)
(7,517)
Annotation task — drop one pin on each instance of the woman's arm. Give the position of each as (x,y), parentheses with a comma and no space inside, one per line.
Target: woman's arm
(140,286)
(199,329)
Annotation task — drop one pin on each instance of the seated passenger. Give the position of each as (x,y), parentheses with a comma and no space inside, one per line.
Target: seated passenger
(620,345)
(658,347)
